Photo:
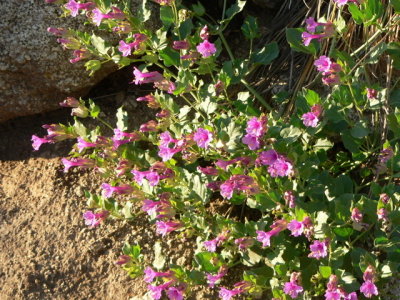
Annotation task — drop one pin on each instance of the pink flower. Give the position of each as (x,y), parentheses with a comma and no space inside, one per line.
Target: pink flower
(147,77)
(257,126)
(123,260)
(351,296)
(296,227)
(125,48)
(151,176)
(211,245)
(94,220)
(206,48)
(244,242)
(323,64)
(312,25)
(150,206)
(150,126)
(151,101)
(308,37)
(202,137)
(208,170)
(73,7)
(290,199)
(79,55)
(281,167)
(109,190)
(344,2)
(265,237)
(77,162)
(252,141)
(180,45)
(318,249)
(333,295)
(383,215)
(150,274)
(310,119)
(204,34)
(356,215)
(213,279)
(37,142)
(226,294)
(371,93)
(368,288)
(267,158)
(174,294)
(166,227)
(70,102)
(384,198)
(292,289)
(82,144)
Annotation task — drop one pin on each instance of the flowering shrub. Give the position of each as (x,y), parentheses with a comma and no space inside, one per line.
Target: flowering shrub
(318,186)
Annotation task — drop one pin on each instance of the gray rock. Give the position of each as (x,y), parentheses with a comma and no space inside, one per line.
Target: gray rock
(35,73)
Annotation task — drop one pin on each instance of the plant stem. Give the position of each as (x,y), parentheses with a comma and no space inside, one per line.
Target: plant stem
(256,94)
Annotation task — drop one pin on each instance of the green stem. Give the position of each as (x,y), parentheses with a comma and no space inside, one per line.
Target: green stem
(104,122)
(256,94)
(226,45)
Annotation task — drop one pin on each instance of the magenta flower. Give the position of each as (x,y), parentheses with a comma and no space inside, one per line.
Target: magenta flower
(371,93)
(206,48)
(296,227)
(180,45)
(226,294)
(151,176)
(125,48)
(211,245)
(257,126)
(292,289)
(174,293)
(238,183)
(310,119)
(82,144)
(312,25)
(123,260)
(94,220)
(244,242)
(308,37)
(37,142)
(150,274)
(265,237)
(166,227)
(323,64)
(369,289)
(333,295)
(147,77)
(150,206)
(384,198)
(356,215)
(267,158)
(252,141)
(318,249)
(74,7)
(208,170)
(109,190)
(77,162)
(281,167)
(202,137)
(382,214)
(204,33)
(150,126)
(351,296)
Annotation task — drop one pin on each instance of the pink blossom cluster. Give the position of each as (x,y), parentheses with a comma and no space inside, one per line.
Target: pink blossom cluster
(239,288)
(158,171)
(166,152)
(94,219)
(206,48)
(98,16)
(153,77)
(73,7)
(329,69)
(171,287)
(292,288)
(333,292)
(137,44)
(312,118)
(109,190)
(213,279)
(212,245)
(256,128)
(319,249)
(327,30)
(55,133)
(237,183)
(368,288)
(77,162)
(265,237)
(278,164)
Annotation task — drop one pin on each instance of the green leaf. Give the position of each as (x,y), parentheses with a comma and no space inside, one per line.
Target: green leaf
(170,57)
(100,45)
(356,13)
(166,15)
(205,259)
(323,144)
(396,5)
(251,258)
(325,271)
(185,28)
(349,142)
(311,97)
(234,9)
(142,12)
(122,119)
(198,9)
(93,109)
(293,36)
(127,210)
(290,134)
(393,50)
(159,257)
(208,106)
(250,28)
(92,66)
(376,53)
(266,55)
(360,130)
(322,227)
(79,128)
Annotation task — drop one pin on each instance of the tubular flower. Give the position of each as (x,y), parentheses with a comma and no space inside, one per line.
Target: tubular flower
(318,249)
(327,30)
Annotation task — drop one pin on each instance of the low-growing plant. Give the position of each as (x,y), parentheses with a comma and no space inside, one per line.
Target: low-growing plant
(309,179)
